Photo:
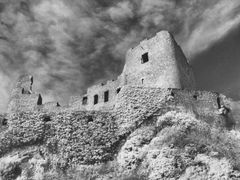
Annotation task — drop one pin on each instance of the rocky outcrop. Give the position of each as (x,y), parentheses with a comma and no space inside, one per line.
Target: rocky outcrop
(152,134)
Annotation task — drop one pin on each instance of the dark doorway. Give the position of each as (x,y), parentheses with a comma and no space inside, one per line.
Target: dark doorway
(144,58)
(106,96)
(95,99)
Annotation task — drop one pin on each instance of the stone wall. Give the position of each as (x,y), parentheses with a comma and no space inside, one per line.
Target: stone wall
(51,106)
(87,137)
(24,84)
(75,103)
(74,137)
(105,97)
(136,104)
(24,102)
(166,65)
(22,97)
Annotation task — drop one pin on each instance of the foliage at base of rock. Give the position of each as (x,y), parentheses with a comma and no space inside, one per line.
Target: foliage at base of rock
(181,144)
(87,145)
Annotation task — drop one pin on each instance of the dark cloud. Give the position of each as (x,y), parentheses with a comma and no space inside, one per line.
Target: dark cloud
(69,45)
(217,68)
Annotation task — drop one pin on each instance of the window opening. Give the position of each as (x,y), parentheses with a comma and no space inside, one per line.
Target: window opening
(95,99)
(39,102)
(118,90)
(106,96)
(195,97)
(31,79)
(84,100)
(144,58)
(218,102)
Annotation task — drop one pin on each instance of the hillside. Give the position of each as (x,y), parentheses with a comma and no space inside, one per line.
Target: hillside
(152,133)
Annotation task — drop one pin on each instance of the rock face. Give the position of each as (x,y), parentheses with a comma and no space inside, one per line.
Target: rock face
(152,133)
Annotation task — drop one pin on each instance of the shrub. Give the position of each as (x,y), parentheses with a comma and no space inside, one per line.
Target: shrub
(182,129)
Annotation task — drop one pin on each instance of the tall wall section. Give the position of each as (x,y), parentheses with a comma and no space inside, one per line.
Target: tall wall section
(136,104)
(99,97)
(22,97)
(158,62)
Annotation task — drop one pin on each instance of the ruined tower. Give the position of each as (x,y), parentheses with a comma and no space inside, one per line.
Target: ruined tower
(158,62)
(22,97)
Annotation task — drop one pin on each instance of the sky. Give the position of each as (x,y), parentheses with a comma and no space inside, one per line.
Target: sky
(70,45)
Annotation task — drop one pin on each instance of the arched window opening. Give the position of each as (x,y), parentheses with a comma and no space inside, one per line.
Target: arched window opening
(84,100)
(39,102)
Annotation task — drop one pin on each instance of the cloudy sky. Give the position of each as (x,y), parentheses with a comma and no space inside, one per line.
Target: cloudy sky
(69,45)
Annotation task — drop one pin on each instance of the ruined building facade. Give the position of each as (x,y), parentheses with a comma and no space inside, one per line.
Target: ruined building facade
(23,97)
(157,63)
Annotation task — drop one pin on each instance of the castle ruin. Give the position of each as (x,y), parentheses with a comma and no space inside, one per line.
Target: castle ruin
(158,62)
(155,63)
(23,97)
